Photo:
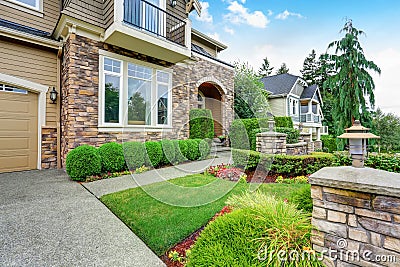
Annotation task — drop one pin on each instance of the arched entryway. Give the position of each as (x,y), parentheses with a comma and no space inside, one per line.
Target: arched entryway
(211,97)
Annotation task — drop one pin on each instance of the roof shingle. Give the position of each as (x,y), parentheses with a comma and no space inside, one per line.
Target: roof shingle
(280,84)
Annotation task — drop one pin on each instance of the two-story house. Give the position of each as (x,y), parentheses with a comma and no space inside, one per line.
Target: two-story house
(291,96)
(121,70)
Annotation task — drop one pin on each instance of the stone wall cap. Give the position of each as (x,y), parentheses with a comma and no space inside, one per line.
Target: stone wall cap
(299,144)
(358,179)
(271,134)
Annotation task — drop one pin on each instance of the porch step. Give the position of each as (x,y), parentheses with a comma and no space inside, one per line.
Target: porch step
(217,146)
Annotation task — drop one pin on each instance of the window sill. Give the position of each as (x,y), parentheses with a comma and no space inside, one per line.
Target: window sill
(134,129)
(23,8)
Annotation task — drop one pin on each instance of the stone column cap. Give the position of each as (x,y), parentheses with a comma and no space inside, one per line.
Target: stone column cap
(366,180)
(273,134)
(299,144)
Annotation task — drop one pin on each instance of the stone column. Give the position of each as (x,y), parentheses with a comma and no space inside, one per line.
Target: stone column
(271,143)
(318,129)
(356,211)
(307,137)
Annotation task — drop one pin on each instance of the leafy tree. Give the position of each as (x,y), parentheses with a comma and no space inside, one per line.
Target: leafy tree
(387,126)
(111,103)
(310,68)
(266,68)
(282,69)
(137,107)
(352,86)
(251,100)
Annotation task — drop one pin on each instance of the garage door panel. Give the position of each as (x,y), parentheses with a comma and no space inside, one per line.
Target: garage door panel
(18,131)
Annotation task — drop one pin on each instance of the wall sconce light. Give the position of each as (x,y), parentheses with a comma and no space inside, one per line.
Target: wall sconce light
(172,3)
(53,95)
(358,136)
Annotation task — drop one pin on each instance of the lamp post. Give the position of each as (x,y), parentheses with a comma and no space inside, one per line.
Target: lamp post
(358,136)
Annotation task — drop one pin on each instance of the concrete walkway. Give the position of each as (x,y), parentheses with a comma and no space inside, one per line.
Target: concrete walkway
(47,220)
(108,186)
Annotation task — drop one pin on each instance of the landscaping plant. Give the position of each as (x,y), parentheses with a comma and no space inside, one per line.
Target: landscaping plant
(201,124)
(112,157)
(83,161)
(135,153)
(154,154)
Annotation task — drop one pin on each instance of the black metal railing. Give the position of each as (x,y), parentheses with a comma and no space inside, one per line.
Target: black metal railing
(150,18)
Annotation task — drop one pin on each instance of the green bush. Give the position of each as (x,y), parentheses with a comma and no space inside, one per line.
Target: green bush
(112,157)
(181,150)
(302,199)
(286,122)
(154,153)
(292,135)
(387,162)
(284,165)
(204,148)
(241,132)
(168,149)
(253,137)
(135,154)
(192,152)
(83,161)
(201,124)
(328,143)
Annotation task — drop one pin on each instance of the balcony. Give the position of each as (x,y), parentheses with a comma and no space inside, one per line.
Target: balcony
(148,29)
(310,118)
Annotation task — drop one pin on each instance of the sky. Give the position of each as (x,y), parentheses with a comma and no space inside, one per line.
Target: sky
(287,31)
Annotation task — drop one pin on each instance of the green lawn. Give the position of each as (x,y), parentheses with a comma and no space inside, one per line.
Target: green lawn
(165,213)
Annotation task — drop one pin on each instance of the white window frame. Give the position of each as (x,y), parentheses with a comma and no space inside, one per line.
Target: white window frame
(36,10)
(123,126)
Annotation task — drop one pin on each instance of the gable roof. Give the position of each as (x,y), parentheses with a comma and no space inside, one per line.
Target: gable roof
(280,84)
(309,92)
(200,50)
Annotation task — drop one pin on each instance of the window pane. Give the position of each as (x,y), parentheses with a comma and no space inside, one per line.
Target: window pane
(112,65)
(139,102)
(28,2)
(162,104)
(140,72)
(111,107)
(162,77)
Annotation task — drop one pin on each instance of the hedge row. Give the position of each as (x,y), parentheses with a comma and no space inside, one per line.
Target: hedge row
(383,161)
(201,124)
(286,122)
(85,160)
(282,164)
(328,143)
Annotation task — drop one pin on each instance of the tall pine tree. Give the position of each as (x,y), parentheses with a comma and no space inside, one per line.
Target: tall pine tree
(266,68)
(282,69)
(310,68)
(352,86)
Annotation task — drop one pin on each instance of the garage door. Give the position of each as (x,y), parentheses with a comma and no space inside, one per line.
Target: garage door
(18,129)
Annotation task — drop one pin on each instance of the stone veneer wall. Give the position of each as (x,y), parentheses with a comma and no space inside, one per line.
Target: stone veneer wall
(296,149)
(49,147)
(80,85)
(356,211)
(271,143)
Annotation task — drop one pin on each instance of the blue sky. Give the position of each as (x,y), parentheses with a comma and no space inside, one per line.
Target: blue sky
(287,31)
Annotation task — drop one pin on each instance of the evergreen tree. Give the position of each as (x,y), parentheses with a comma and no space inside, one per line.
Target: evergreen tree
(282,69)
(310,68)
(265,69)
(352,86)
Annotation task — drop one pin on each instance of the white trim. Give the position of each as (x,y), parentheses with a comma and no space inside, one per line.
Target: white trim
(67,25)
(22,36)
(134,129)
(207,38)
(211,79)
(213,61)
(36,10)
(41,90)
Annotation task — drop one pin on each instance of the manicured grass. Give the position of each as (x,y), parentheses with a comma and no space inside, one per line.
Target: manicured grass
(165,213)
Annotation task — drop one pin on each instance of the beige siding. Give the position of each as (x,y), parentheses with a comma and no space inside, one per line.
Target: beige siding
(108,13)
(33,64)
(277,106)
(51,11)
(90,11)
(210,50)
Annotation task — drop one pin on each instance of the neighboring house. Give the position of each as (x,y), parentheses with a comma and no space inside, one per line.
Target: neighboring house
(291,96)
(124,70)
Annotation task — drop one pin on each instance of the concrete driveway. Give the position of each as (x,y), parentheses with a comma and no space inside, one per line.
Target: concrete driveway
(47,220)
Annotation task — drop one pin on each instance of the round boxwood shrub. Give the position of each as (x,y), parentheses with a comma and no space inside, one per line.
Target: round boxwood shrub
(201,124)
(181,150)
(112,157)
(82,162)
(192,152)
(134,153)
(154,153)
(204,148)
(168,152)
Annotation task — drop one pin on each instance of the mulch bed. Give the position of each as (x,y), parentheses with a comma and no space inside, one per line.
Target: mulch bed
(260,176)
(188,242)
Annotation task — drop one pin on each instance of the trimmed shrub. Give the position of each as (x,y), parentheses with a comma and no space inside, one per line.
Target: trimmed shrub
(82,162)
(241,132)
(204,148)
(192,152)
(154,153)
(201,124)
(168,149)
(181,150)
(387,162)
(328,143)
(286,122)
(302,199)
(112,157)
(292,135)
(135,153)
(284,165)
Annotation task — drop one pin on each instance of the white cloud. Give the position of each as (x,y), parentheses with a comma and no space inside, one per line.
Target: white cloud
(229,30)
(241,15)
(270,13)
(215,36)
(205,15)
(285,14)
